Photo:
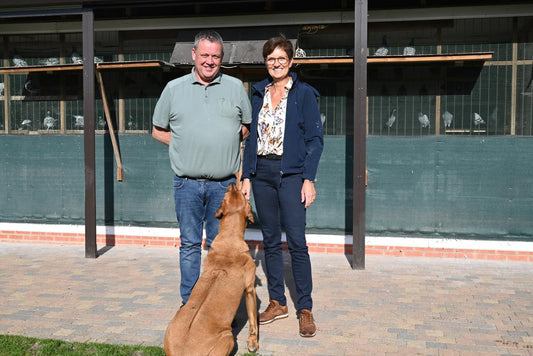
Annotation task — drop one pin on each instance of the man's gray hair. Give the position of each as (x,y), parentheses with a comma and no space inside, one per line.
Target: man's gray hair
(210,35)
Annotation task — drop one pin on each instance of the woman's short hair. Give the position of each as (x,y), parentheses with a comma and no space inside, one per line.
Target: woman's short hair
(210,35)
(275,42)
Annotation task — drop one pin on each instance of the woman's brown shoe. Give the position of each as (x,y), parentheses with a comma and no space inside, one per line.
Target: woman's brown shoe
(273,312)
(307,323)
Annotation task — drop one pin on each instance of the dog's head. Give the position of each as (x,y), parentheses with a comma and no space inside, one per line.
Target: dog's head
(235,202)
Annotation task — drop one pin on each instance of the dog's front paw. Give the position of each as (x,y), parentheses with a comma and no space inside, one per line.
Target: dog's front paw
(253,350)
(253,346)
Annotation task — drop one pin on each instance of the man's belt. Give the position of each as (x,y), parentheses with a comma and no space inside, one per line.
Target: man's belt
(204,179)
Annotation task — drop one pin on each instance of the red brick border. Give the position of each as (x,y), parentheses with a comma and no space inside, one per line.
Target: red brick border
(158,241)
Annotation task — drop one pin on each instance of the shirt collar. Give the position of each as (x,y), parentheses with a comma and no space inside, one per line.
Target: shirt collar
(194,79)
(287,86)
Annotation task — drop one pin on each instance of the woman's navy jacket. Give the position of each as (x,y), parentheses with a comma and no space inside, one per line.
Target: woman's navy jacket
(304,139)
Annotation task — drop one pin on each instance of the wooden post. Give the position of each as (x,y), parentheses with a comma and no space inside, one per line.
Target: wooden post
(89,134)
(7,89)
(359,134)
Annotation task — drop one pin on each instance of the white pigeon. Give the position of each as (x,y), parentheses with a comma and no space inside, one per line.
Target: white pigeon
(410,49)
(322,118)
(98,59)
(1,88)
(26,123)
(49,61)
(424,120)
(76,57)
(18,61)
(49,122)
(101,122)
(131,123)
(392,119)
(78,121)
(383,50)
(478,120)
(447,117)
(299,53)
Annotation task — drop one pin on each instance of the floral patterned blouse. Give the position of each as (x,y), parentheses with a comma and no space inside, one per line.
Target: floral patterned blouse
(271,123)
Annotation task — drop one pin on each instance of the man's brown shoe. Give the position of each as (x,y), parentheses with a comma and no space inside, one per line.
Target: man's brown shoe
(307,323)
(273,312)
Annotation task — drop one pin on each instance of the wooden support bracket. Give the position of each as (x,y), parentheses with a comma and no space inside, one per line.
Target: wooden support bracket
(110,126)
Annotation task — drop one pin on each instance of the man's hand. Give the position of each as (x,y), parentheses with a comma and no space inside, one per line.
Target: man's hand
(245,131)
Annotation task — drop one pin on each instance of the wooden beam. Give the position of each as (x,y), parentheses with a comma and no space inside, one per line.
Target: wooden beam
(343,60)
(110,126)
(432,58)
(69,67)
(308,60)
(56,68)
(131,65)
(399,59)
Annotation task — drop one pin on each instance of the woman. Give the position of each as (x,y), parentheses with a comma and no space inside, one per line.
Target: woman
(280,163)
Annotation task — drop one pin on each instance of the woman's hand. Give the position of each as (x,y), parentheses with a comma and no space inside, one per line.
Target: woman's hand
(308,193)
(246,186)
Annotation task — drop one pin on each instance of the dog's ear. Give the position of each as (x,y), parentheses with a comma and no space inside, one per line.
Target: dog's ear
(220,210)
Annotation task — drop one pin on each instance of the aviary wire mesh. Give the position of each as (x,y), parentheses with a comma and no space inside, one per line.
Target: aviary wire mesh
(496,100)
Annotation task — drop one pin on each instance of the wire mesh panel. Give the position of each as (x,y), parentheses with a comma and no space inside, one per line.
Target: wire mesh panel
(485,109)
(34,116)
(398,43)
(333,111)
(147,56)
(462,98)
(74,119)
(403,100)
(138,114)
(407,115)
(479,35)
(2,118)
(33,50)
(336,97)
(524,104)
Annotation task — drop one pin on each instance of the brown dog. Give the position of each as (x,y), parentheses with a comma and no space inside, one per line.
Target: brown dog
(203,325)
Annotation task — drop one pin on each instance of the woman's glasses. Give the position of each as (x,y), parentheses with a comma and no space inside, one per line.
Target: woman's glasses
(281,60)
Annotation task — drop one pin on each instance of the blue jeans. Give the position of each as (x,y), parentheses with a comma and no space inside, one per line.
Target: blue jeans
(196,202)
(278,199)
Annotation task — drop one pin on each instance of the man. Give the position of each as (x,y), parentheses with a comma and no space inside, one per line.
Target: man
(202,117)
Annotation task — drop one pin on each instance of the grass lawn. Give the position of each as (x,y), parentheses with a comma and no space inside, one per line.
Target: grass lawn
(11,345)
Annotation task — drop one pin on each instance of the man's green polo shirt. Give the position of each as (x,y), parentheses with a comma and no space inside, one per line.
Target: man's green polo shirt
(205,124)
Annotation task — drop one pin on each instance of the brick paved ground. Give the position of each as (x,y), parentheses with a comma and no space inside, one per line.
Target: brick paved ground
(396,306)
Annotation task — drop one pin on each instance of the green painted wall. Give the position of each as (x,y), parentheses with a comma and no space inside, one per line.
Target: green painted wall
(452,186)
(43,181)
(467,187)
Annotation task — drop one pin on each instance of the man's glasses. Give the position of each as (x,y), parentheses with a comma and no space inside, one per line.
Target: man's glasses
(281,60)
